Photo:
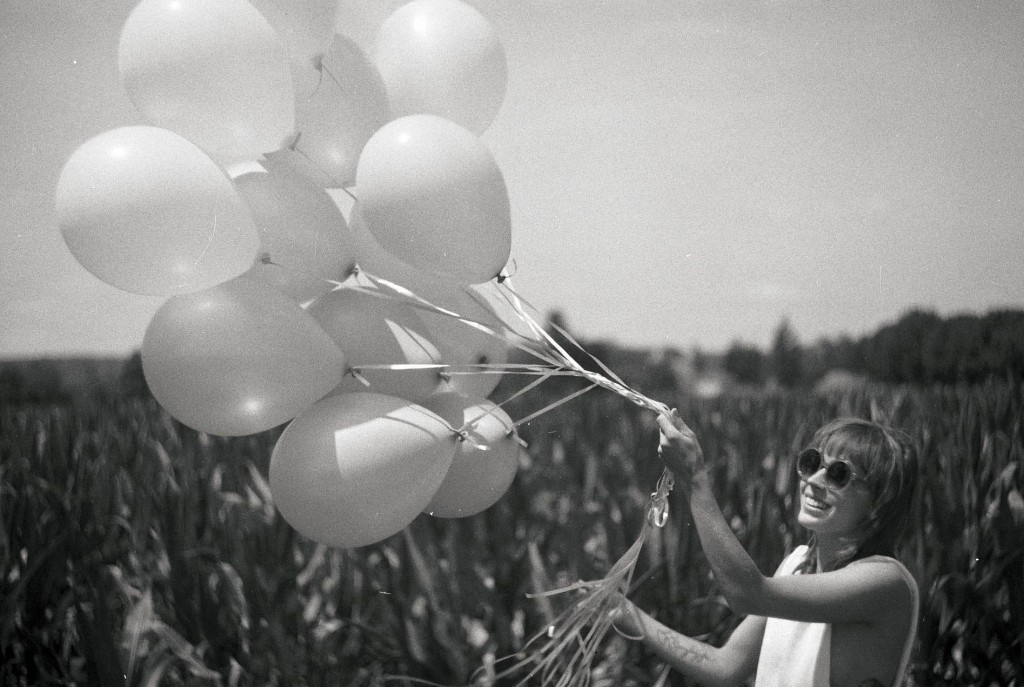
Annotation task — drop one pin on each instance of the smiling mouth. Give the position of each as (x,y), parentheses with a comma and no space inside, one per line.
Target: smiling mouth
(814,503)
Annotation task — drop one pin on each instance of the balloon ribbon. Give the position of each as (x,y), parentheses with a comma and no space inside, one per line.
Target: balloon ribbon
(561,654)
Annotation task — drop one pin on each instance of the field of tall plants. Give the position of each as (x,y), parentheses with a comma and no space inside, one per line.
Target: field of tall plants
(136,551)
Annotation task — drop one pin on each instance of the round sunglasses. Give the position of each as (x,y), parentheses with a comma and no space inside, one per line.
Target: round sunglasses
(838,473)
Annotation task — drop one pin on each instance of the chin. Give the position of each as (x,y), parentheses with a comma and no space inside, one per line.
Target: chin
(808,521)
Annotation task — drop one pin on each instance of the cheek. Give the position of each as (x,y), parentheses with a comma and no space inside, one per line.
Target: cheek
(858,507)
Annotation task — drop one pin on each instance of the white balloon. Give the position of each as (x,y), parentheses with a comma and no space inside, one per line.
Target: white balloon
(433,196)
(335,119)
(443,57)
(372,258)
(147,211)
(460,341)
(237,359)
(376,331)
(485,462)
(213,71)
(357,468)
(303,235)
(304,26)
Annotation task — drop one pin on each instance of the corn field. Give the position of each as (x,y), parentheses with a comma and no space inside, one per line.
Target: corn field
(136,551)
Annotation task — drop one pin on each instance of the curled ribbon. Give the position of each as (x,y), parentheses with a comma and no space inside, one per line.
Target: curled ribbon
(657,510)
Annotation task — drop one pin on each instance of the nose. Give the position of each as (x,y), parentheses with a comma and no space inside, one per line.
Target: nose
(817,480)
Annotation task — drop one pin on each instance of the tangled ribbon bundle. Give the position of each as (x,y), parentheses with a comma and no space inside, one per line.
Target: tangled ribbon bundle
(560,654)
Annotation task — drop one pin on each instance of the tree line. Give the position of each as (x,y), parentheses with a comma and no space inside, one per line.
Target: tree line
(921,347)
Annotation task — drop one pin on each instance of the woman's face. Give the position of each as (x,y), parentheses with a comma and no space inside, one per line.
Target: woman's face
(826,510)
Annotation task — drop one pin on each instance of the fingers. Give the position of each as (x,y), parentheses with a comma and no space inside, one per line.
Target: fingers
(671,423)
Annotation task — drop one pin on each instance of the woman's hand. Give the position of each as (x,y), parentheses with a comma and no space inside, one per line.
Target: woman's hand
(679,448)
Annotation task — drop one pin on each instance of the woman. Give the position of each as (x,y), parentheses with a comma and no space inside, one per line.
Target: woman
(840,611)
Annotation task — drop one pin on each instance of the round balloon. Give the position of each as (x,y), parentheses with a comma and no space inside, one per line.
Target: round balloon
(357,468)
(373,330)
(443,57)
(336,119)
(147,211)
(485,463)
(433,196)
(459,342)
(466,341)
(237,359)
(305,27)
(372,258)
(302,234)
(213,71)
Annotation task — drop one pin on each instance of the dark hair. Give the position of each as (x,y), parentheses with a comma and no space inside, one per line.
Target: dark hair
(889,462)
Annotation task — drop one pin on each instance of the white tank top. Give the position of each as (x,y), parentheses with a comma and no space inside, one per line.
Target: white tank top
(798,654)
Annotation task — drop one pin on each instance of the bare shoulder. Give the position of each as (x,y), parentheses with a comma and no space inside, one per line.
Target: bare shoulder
(888,574)
(883,638)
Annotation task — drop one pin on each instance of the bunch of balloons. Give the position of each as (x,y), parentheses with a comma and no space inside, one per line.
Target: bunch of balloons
(324,225)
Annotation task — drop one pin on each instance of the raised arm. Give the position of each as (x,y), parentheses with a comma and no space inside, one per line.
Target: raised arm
(856,593)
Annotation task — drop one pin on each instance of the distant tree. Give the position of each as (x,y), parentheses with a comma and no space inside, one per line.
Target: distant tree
(745,363)
(586,351)
(32,381)
(970,349)
(841,353)
(11,383)
(787,356)
(924,348)
(897,352)
(815,361)
(701,360)
(1004,337)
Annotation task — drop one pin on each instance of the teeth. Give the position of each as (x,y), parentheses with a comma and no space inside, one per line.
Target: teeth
(815,503)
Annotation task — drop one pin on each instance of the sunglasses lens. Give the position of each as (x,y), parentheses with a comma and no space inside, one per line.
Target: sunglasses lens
(808,462)
(839,474)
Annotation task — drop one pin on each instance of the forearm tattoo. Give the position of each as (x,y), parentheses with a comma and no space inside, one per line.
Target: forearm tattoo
(678,647)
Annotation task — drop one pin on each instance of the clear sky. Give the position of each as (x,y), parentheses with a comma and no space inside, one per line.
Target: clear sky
(681,173)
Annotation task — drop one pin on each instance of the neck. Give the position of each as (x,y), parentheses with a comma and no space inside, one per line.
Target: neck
(829,549)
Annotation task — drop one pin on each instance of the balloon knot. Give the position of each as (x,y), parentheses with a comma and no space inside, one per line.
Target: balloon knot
(265,258)
(503,276)
(511,434)
(356,373)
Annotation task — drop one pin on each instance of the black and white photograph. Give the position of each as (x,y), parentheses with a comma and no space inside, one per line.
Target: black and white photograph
(512,343)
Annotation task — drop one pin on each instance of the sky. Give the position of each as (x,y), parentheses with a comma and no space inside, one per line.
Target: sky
(680,173)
